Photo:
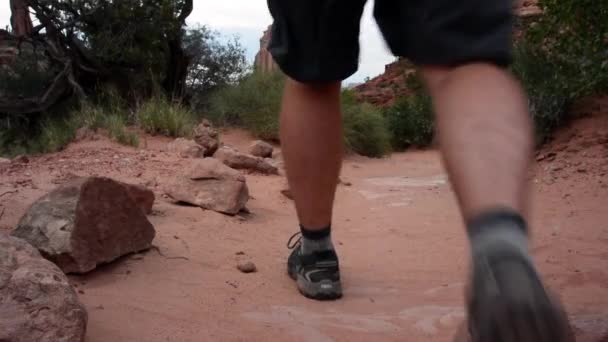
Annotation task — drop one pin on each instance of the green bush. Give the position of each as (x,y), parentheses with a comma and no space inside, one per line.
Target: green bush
(573,35)
(410,119)
(43,135)
(159,116)
(365,129)
(90,116)
(26,76)
(563,57)
(113,119)
(53,131)
(117,129)
(55,134)
(547,90)
(253,104)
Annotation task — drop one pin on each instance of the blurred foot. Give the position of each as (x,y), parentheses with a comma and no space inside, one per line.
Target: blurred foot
(507,300)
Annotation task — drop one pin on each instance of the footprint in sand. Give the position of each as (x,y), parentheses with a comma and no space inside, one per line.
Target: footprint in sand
(408,182)
(428,319)
(307,325)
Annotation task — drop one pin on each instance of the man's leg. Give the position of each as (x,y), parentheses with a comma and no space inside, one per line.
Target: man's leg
(311,140)
(485,134)
(316,44)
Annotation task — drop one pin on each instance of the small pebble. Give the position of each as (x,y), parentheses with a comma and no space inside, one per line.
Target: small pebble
(247,267)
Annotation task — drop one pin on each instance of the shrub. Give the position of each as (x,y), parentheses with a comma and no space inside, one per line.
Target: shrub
(90,116)
(573,34)
(116,125)
(27,75)
(55,134)
(548,93)
(112,118)
(159,116)
(24,135)
(410,119)
(563,57)
(253,104)
(365,129)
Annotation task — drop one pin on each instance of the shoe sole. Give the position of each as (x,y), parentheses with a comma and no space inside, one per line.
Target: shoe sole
(323,290)
(523,312)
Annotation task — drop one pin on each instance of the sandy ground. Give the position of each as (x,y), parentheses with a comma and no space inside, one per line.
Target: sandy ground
(397,229)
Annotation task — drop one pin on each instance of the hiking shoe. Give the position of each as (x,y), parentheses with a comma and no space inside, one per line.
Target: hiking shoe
(508,302)
(317,275)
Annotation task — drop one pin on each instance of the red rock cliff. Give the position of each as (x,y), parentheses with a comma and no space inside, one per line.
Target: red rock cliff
(263,59)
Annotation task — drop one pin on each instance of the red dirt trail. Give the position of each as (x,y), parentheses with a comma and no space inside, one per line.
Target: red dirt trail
(397,229)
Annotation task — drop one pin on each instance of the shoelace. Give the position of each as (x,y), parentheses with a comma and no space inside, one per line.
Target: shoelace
(293,242)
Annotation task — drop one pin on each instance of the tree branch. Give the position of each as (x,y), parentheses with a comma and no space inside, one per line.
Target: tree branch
(186,11)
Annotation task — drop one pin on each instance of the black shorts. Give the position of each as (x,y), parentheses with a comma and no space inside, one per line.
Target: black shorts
(318,40)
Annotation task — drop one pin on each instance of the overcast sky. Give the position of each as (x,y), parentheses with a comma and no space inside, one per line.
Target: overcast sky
(249,18)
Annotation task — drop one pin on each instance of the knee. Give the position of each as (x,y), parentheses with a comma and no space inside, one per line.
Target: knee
(437,77)
(317,88)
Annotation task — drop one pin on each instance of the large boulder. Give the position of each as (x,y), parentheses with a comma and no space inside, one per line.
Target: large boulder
(238,160)
(186,148)
(37,303)
(261,149)
(87,222)
(278,164)
(142,196)
(207,137)
(211,185)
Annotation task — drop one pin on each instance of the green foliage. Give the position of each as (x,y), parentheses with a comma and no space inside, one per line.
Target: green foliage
(159,116)
(131,43)
(53,131)
(365,129)
(563,57)
(410,119)
(55,134)
(47,134)
(26,76)
(90,116)
(548,92)
(573,36)
(108,113)
(213,63)
(254,103)
(116,126)
(132,37)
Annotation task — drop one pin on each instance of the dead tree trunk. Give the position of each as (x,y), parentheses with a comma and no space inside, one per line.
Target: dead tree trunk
(177,61)
(20,18)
